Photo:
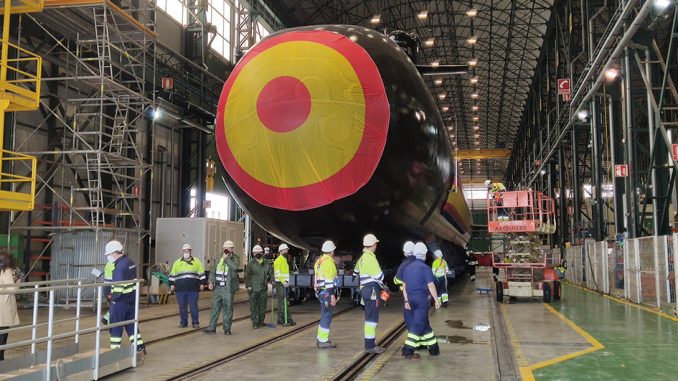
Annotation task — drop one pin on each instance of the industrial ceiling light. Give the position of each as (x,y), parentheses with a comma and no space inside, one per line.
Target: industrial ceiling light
(611,73)
(582,115)
(474,108)
(475,95)
(477,136)
(376,19)
(445,109)
(438,82)
(472,62)
(474,80)
(450,128)
(472,40)
(476,128)
(435,63)
(156,114)
(472,12)
(442,96)
(475,119)
(430,42)
(423,15)
(661,4)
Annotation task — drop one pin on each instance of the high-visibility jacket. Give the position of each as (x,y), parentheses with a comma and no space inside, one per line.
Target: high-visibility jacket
(187,275)
(108,276)
(439,268)
(325,271)
(369,270)
(125,269)
(225,273)
(281,269)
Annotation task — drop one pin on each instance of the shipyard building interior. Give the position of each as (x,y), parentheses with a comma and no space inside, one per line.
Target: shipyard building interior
(372,190)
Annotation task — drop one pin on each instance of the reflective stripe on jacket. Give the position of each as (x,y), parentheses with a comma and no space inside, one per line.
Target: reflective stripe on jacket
(439,267)
(187,275)
(281,269)
(368,268)
(325,271)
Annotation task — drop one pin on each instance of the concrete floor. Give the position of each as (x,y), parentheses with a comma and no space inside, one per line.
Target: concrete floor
(585,336)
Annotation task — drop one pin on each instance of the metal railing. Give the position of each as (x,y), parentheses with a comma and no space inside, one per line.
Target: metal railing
(50,287)
(641,270)
(16,199)
(21,97)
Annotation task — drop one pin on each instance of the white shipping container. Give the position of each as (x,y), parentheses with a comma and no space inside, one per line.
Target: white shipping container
(205,235)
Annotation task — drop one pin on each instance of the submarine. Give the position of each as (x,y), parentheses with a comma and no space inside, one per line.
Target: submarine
(330,132)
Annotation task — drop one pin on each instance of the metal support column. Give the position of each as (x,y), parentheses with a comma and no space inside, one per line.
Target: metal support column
(631,208)
(597,183)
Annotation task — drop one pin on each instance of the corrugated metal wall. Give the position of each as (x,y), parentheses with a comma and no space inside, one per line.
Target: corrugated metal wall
(75,254)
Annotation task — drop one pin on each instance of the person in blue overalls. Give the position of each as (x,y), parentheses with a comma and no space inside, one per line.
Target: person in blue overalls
(123,297)
(408,250)
(418,289)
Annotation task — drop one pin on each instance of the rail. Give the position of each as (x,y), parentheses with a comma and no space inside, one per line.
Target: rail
(17,200)
(17,89)
(50,287)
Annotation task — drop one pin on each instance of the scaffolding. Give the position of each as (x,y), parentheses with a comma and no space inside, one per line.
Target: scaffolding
(99,118)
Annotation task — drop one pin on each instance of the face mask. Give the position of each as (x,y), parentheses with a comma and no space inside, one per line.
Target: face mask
(110,258)
(187,255)
(257,256)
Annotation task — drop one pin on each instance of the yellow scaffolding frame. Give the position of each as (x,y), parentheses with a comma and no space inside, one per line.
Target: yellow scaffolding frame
(15,95)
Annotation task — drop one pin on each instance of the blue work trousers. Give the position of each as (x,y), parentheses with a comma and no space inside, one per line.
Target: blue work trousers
(122,311)
(188,299)
(370,296)
(420,332)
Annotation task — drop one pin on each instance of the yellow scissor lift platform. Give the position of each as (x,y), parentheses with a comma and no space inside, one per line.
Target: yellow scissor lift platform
(19,91)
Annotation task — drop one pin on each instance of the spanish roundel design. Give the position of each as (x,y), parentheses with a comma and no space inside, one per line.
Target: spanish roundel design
(302,120)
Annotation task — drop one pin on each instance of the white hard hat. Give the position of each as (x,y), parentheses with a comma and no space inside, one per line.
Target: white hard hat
(283,247)
(408,248)
(328,247)
(369,240)
(420,249)
(186,247)
(438,253)
(257,249)
(228,244)
(113,247)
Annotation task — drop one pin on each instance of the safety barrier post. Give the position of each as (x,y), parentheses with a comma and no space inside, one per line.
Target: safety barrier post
(675,269)
(655,252)
(50,332)
(667,242)
(34,333)
(97,339)
(636,268)
(136,325)
(627,272)
(77,313)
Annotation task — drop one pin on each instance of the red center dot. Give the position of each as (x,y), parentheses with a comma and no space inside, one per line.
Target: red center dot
(283,104)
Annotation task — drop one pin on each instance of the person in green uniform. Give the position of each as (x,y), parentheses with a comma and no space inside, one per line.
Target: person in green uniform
(281,271)
(221,282)
(257,276)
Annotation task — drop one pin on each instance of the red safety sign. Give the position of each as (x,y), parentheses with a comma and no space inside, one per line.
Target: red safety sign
(674,151)
(621,170)
(136,191)
(566,97)
(564,86)
(167,83)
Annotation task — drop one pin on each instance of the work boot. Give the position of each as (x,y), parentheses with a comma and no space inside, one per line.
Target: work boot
(227,333)
(183,325)
(207,330)
(326,345)
(376,349)
(473,278)
(196,325)
(411,356)
(445,304)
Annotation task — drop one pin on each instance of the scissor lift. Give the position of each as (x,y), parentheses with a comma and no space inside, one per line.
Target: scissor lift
(527,267)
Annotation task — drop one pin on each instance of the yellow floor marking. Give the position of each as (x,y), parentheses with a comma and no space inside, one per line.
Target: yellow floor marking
(655,311)
(525,369)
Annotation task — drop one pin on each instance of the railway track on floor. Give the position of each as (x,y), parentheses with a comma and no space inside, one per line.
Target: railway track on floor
(354,369)
(201,370)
